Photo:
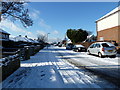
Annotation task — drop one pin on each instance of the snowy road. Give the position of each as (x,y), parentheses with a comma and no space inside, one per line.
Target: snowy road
(50,69)
(103,65)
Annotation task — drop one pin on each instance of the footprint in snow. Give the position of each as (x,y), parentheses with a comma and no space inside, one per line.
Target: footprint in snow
(41,71)
(42,75)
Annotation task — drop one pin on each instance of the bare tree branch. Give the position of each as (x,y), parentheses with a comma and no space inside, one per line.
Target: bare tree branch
(16,10)
(42,38)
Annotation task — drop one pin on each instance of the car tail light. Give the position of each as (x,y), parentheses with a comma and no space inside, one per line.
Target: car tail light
(103,49)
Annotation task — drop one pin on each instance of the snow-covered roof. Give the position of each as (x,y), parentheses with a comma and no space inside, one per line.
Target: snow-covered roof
(90,36)
(24,39)
(2,31)
(69,41)
(20,38)
(79,46)
(110,13)
(36,41)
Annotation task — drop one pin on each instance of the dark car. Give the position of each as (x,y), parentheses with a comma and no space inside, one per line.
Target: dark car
(69,46)
(79,48)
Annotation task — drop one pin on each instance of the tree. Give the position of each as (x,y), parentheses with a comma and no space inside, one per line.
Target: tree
(42,38)
(16,11)
(78,35)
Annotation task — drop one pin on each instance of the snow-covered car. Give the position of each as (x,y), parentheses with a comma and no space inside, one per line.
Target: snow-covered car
(102,49)
(79,48)
(69,46)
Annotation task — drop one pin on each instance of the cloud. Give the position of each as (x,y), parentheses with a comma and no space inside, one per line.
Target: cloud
(43,24)
(54,39)
(35,14)
(12,27)
(55,32)
(40,32)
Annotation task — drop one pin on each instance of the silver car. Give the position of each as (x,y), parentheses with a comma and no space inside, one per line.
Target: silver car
(102,49)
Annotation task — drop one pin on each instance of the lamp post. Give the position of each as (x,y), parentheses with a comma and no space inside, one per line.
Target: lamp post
(47,39)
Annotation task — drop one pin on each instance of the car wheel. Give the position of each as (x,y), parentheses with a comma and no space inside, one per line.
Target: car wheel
(100,55)
(89,52)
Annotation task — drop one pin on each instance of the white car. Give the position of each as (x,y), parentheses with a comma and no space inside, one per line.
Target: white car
(102,49)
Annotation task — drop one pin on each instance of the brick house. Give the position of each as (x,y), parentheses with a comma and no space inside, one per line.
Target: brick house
(108,26)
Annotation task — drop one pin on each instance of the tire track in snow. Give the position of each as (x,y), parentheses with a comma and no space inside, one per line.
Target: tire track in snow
(74,78)
(60,54)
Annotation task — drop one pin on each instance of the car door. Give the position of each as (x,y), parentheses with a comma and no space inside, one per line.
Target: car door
(91,48)
(97,49)
(94,49)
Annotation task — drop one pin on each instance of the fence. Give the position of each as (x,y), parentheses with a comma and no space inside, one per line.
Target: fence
(11,57)
(8,65)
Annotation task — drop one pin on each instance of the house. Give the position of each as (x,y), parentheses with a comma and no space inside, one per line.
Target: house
(108,27)
(90,38)
(4,36)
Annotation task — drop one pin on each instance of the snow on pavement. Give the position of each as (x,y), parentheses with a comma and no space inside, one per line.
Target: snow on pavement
(47,70)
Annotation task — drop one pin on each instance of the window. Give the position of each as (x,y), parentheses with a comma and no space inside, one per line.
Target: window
(92,45)
(97,45)
(3,36)
(105,45)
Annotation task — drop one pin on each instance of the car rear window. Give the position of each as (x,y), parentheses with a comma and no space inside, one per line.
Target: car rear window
(105,45)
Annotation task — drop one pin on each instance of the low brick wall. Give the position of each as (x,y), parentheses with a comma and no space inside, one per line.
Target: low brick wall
(8,65)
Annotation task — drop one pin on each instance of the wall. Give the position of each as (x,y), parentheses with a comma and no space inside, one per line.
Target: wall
(110,34)
(108,22)
(108,27)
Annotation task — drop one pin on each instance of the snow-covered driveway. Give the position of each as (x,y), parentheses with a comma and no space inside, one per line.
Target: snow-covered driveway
(50,69)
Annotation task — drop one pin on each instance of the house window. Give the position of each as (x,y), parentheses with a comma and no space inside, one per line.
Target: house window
(3,36)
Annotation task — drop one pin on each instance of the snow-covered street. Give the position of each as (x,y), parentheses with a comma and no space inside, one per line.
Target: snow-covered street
(51,68)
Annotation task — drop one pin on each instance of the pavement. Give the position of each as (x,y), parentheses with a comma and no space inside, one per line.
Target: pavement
(49,69)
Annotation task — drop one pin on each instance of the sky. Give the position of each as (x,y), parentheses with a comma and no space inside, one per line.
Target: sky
(56,17)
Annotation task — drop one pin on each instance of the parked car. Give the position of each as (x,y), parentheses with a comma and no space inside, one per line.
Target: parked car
(102,49)
(69,46)
(79,48)
(59,45)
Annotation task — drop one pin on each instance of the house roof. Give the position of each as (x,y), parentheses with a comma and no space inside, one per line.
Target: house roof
(117,9)
(2,31)
(20,38)
(24,39)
